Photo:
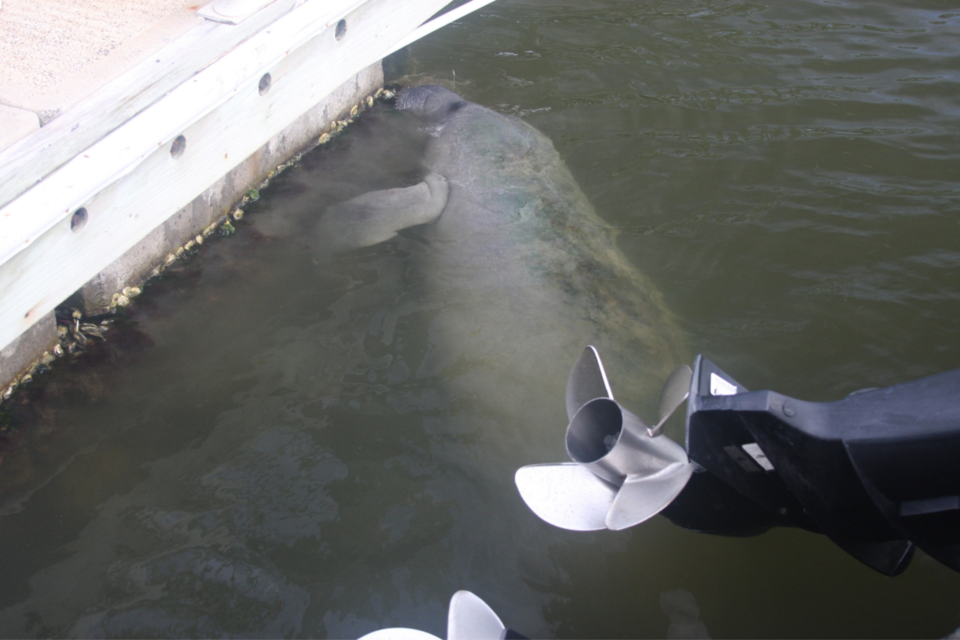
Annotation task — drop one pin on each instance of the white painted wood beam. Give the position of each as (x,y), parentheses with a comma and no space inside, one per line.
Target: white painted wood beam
(28,161)
(440,21)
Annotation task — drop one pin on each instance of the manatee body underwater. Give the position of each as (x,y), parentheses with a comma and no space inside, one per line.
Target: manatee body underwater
(492,273)
(502,218)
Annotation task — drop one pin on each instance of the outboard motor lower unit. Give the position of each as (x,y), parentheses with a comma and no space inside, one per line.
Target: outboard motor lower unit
(878,471)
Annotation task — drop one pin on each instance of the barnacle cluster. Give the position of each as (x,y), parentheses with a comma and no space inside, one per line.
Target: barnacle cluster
(74,333)
(339,125)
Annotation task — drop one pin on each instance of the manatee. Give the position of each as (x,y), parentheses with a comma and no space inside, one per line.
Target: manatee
(526,272)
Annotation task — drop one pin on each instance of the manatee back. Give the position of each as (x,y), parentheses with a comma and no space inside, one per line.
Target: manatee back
(520,234)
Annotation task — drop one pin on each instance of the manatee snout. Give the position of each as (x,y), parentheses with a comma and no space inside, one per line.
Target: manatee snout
(430,102)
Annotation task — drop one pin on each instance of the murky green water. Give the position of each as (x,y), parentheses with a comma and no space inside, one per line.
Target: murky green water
(266,450)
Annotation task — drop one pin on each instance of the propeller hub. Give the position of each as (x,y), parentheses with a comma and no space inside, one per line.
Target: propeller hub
(613,443)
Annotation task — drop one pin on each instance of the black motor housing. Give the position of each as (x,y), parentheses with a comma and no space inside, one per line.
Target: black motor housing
(878,471)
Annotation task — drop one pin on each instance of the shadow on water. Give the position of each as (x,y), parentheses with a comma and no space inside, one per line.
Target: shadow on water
(263,446)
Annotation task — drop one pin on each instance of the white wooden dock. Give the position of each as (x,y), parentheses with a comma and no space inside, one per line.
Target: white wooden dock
(112,187)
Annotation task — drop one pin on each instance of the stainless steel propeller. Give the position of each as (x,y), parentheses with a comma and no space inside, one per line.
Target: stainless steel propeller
(468,618)
(623,472)
(675,390)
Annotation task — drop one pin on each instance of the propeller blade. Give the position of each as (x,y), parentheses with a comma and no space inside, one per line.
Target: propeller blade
(642,497)
(587,381)
(399,633)
(470,618)
(566,495)
(675,390)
